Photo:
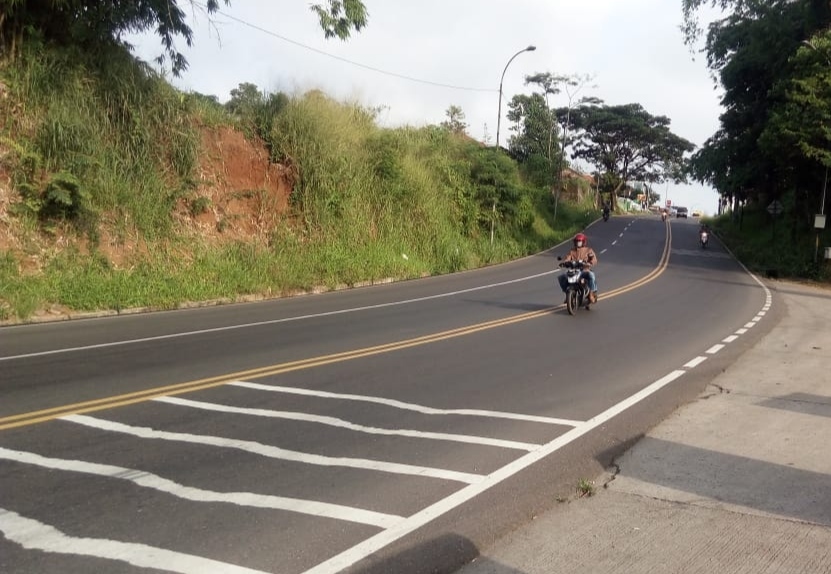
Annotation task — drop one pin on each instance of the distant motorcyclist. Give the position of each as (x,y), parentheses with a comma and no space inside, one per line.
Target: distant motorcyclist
(606,210)
(582,252)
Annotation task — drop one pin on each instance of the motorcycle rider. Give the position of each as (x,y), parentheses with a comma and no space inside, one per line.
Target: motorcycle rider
(582,252)
(606,210)
(704,228)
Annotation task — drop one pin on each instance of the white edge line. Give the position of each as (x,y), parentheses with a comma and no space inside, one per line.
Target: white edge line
(730,339)
(714,349)
(695,362)
(741,331)
(275,321)
(419,519)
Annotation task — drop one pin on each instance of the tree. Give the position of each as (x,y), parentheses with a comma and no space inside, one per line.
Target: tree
(455,122)
(94,24)
(776,97)
(532,120)
(627,143)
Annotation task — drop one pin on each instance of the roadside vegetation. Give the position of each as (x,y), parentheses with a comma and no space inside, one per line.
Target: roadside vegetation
(93,152)
(772,61)
(99,152)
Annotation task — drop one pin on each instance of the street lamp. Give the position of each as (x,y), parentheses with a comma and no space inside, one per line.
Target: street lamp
(499,117)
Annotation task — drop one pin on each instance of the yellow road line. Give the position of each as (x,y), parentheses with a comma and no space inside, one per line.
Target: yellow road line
(44,415)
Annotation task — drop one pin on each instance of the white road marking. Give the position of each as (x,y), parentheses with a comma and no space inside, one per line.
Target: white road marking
(406,406)
(730,339)
(714,349)
(275,321)
(741,331)
(251,499)
(749,325)
(382,539)
(275,452)
(604,251)
(695,362)
(614,242)
(34,535)
(336,422)
(621,235)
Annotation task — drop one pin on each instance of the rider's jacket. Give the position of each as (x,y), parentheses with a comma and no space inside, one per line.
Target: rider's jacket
(585,254)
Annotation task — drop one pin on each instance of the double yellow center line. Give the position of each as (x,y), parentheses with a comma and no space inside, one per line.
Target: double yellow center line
(34,417)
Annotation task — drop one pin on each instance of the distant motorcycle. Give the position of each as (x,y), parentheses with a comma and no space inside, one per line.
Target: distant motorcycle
(605,215)
(663,216)
(703,238)
(577,285)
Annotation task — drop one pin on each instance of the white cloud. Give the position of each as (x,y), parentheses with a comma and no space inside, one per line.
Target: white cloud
(634,50)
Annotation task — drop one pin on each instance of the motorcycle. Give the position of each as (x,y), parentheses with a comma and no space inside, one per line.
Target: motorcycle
(663,216)
(577,285)
(605,215)
(703,238)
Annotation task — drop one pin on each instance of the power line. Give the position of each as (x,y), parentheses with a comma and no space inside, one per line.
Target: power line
(366,67)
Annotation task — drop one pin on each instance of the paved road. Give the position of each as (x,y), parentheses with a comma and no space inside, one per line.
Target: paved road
(339,432)
(737,481)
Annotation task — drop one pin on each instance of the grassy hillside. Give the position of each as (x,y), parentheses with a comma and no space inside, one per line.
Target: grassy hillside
(118,191)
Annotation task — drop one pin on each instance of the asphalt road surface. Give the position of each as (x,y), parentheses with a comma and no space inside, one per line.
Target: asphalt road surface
(395,428)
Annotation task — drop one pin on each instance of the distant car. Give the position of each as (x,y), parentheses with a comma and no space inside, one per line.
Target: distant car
(696,213)
(681,212)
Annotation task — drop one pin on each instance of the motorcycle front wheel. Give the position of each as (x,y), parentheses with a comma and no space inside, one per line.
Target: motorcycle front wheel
(571,301)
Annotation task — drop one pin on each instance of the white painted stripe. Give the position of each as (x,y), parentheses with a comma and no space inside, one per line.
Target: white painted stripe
(367,547)
(755,319)
(714,349)
(614,242)
(405,406)
(34,535)
(336,422)
(621,235)
(604,251)
(155,482)
(730,339)
(741,331)
(749,325)
(275,452)
(695,362)
(277,321)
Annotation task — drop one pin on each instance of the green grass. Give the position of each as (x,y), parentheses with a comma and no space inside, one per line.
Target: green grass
(116,146)
(782,246)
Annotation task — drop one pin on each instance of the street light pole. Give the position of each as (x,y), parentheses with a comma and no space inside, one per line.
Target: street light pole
(499,117)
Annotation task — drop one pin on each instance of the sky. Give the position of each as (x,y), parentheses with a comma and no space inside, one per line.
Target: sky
(416,58)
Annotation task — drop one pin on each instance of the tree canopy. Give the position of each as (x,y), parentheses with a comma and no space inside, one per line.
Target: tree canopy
(773,62)
(626,143)
(92,24)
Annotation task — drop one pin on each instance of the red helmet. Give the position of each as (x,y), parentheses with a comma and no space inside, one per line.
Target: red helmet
(582,239)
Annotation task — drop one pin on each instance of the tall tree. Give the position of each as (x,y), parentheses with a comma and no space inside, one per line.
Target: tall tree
(627,143)
(92,24)
(754,51)
(455,121)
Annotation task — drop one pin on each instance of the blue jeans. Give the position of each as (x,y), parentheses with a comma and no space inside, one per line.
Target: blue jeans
(589,275)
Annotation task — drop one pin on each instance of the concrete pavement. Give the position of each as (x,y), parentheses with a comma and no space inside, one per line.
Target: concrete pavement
(738,481)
